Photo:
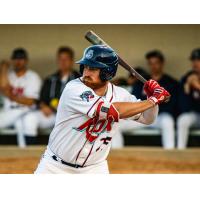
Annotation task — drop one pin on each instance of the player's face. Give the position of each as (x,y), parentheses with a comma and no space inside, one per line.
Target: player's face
(19,64)
(91,77)
(155,65)
(196,66)
(65,62)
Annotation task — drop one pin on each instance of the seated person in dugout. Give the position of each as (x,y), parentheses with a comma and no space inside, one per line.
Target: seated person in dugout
(20,87)
(189,100)
(168,111)
(51,91)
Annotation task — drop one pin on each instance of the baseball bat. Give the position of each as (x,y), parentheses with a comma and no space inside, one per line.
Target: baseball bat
(95,39)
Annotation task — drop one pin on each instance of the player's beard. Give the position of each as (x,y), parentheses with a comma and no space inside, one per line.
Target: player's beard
(88,81)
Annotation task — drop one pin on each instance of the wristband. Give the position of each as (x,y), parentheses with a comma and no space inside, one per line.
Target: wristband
(153,100)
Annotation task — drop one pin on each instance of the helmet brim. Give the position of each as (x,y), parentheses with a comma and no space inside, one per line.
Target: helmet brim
(92,64)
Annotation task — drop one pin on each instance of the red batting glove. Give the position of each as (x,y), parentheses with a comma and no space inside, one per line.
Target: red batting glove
(150,86)
(159,96)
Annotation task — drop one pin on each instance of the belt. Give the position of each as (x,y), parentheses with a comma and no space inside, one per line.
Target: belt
(66,163)
(17,106)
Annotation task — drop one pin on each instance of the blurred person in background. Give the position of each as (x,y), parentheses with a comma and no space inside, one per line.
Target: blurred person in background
(167,111)
(20,87)
(51,91)
(189,100)
(4,83)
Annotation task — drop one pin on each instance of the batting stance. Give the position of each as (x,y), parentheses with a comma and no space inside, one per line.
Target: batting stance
(88,112)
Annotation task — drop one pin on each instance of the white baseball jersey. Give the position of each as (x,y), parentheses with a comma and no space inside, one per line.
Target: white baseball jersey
(85,123)
(27,85)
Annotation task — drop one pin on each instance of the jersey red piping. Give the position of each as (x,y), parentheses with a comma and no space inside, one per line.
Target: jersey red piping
(112,94)
(93,105)
(88,155)
(80,150)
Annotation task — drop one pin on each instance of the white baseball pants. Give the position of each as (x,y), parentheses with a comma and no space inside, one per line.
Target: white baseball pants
(49,166)
(34,120)
(14,117)
(184,122)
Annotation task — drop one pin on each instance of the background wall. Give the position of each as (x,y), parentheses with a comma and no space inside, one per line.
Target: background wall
(131,41)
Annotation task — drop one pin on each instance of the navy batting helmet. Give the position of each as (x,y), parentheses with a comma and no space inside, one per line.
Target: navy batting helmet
(101,57)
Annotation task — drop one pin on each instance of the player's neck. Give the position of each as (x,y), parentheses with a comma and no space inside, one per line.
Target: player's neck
(65,73)
(101,91)
(21,72)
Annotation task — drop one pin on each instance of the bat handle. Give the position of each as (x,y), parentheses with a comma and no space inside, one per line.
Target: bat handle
(131,70)
(139,77)
(167,99)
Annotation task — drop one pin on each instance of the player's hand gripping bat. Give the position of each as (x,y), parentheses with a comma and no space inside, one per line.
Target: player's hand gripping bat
(96,40)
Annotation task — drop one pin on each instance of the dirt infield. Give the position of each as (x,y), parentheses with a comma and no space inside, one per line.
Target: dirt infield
(127,160)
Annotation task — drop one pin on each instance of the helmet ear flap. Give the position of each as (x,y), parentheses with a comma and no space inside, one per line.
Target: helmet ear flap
(105,74)
(81,69)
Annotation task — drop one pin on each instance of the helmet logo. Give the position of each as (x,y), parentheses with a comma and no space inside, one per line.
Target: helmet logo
(89,54)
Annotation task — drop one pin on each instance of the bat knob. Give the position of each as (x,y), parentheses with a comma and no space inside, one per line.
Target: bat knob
(167,99)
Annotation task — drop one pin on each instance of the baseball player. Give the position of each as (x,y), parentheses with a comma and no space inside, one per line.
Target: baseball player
(88,112)
(21,91)
(190,107)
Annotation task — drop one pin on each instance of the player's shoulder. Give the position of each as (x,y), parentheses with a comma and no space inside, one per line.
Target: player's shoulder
(123,93)
(32,74)
(76,85)
(75,82)
(120,90)
(168,78)
(185,76)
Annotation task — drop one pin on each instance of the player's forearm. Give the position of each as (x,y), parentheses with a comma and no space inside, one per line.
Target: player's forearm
(23,100)
(4,82)
(148,116)
(129,109)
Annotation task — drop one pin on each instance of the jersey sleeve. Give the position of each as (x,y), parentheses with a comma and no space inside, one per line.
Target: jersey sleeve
(82,99)
(33,87)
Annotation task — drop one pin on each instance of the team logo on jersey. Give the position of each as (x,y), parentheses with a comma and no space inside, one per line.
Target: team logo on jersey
(86,96)
(18,91)
(95,127)
(89,54)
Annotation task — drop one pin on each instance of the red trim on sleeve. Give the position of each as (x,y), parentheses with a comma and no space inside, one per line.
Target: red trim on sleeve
(93,105)
(113,113)
(112,94)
